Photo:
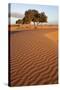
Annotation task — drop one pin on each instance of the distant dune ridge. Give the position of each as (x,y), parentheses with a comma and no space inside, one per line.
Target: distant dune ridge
(34,56)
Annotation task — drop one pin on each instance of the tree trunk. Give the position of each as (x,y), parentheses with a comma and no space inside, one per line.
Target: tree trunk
(34,23)
(41,26)
(37,23)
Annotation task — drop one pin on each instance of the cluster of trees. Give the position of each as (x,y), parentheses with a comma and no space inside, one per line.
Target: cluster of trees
(32,16)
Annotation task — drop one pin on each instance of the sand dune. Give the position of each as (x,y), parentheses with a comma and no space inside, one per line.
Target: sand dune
(33,58)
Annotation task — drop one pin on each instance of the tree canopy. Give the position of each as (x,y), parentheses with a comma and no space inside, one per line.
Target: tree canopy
(19,21)
(33,16)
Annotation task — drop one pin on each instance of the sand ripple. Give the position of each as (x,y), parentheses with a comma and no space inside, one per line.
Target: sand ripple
(33,59)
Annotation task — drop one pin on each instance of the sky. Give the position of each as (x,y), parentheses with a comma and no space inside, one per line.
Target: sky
(18,11)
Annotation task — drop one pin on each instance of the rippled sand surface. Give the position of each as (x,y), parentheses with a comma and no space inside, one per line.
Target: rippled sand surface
(33,58)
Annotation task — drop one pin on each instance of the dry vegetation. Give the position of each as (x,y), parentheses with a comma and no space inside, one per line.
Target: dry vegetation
(18,27)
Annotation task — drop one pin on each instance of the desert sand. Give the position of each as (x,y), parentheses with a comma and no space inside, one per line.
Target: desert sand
(34,57)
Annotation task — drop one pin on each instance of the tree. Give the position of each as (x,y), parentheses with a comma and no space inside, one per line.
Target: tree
(33,16)
(19,21)
(28,15)
(42,17)
(26,20)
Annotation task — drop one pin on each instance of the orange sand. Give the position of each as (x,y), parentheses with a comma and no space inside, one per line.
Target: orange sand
(33,57)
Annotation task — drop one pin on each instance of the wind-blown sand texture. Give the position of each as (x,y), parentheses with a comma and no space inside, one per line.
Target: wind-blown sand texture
(33,57)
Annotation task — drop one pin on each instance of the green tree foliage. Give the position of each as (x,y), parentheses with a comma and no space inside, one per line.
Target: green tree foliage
(33,16)
(26,20)
(19,21)
(30,15)
(42,17)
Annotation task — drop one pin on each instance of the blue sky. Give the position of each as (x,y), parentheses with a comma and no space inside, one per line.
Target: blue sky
(50,11)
